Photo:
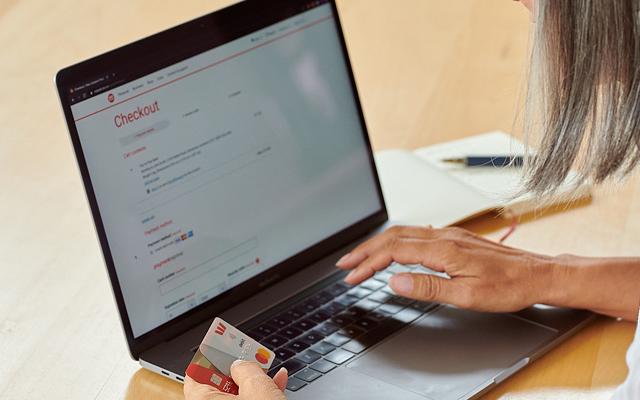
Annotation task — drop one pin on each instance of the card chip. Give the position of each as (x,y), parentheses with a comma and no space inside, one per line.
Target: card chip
(216,379)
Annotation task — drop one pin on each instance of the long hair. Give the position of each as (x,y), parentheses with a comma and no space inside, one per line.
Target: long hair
(583,100)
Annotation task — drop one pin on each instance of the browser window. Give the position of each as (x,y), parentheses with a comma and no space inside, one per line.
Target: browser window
(212,170)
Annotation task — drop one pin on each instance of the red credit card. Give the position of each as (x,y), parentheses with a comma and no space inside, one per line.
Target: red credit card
(221,346)
(202,371)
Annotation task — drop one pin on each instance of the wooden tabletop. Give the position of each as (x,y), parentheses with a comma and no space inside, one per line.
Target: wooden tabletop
(428,71)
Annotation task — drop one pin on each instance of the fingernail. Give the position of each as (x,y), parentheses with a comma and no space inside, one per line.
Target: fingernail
(284,369)
(343,260)
(401,284)
(351,274)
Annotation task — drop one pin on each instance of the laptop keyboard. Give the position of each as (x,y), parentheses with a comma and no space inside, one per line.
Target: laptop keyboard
(332,326)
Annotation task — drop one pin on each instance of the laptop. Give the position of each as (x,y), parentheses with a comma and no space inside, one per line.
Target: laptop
(227,166)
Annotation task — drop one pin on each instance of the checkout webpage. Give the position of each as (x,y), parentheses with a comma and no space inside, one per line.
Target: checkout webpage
(215,169)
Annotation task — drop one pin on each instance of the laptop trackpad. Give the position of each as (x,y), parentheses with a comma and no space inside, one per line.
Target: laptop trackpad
(452,352)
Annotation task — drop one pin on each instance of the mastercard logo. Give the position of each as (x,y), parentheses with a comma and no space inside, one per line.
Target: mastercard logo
(262,355)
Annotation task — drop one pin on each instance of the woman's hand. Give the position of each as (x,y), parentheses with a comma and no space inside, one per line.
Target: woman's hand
(485,275)
(254,384)
(488,276)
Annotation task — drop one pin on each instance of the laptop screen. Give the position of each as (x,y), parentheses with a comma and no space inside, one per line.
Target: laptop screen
(214,169)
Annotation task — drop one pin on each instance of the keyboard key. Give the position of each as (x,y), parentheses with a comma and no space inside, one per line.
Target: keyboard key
(315,300)
(274,370)
(308,356)
(383,276)
(297,346)
(337,339)
(281,321)
(312,337)
(284,354)
(359,292)
(342,320)
(407,315)
(347,300)
(293,366)
(323,366)
(323,348)
(308,307)
(386,327)
(371,284)
(387,289)
(351,331)
(395,268)
(319,316)
(338,288)
(380,297)
(255,335)
(274,341)
(353,312)
(390,308)
(366,305)
(366,323)
(355,346)
(265,329)
(401,301)
(290,332)
(334,308)
(311,304)
(327,328)
(324,296)
(370,338)
(377,315)
(423,306)
(304,324)
(294,314)
(308,375)
(295,384)
(300,310)
(339,356)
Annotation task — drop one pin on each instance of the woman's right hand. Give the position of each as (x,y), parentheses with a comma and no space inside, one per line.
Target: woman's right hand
(254,384)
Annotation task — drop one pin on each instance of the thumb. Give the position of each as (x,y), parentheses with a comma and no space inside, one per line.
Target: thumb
(424,287)
(253,382)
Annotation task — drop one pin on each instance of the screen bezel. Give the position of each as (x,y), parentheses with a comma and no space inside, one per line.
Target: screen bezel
(167,48)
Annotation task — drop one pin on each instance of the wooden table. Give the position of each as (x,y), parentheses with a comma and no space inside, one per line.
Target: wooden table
(428,71)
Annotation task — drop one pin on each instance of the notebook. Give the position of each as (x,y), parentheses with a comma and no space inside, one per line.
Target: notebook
(420,189)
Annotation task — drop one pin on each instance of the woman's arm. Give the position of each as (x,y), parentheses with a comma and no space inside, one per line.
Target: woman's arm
(609,286)
(488,276)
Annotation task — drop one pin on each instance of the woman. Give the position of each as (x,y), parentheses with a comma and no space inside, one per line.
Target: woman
(585,96)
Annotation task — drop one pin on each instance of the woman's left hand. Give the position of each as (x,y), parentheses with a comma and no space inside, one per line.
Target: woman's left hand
(485,275)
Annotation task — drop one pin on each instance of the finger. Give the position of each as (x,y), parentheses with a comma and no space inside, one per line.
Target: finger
(362,251)
(281,378)
(254,382)
(198,391)
(429,288)
(430,253)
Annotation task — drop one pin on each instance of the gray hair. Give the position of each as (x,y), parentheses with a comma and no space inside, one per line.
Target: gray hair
(584,92)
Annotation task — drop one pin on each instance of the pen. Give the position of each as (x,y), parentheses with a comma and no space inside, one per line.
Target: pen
(487,161)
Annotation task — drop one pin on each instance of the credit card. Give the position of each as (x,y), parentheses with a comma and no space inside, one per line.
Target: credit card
(221,346)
